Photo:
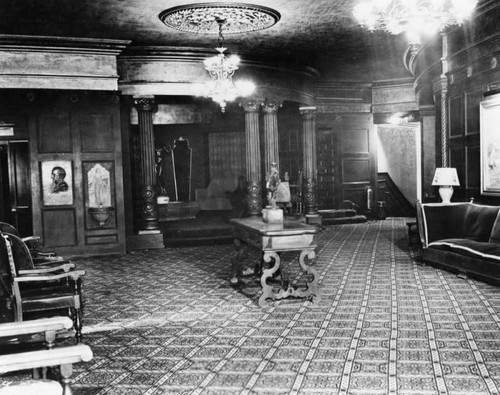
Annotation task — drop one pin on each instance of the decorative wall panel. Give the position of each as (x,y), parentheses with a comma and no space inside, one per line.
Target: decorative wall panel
(59,228)
(472,158)
(227,155)
(472,100)
(96,132)
(99,190)
(455,116)
(356,170)
(54,133)
(355,141)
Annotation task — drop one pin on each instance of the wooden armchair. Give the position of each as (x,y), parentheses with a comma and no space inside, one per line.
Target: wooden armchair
(43,356)
(38,256)
(40,292)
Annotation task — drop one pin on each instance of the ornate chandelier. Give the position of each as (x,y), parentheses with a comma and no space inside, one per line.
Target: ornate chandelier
(216,18)
(416,18)
(221,88)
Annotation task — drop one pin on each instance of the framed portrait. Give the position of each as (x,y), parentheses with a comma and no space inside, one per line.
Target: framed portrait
(57,182)
(490,145)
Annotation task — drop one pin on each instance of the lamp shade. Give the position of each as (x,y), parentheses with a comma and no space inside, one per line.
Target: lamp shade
(446,176)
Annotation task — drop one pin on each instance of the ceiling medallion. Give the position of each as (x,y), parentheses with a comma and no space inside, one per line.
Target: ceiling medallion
(202,17)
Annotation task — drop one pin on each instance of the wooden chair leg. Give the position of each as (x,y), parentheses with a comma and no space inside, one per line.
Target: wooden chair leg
(66,372)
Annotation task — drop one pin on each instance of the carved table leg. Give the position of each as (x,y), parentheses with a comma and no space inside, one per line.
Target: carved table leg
(241,251)
(312,287)
(267,290)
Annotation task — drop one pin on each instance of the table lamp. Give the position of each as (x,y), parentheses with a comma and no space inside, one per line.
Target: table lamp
(446,178)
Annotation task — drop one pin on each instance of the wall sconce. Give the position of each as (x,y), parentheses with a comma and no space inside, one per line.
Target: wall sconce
(446,178)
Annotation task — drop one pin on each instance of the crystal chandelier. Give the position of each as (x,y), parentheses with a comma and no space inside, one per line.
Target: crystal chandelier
(214,18)
(221,68)
(416,18)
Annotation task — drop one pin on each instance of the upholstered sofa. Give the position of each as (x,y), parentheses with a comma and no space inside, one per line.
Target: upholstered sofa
(461,237)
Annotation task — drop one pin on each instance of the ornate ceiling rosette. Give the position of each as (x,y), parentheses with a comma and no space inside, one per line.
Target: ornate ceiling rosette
(204,18)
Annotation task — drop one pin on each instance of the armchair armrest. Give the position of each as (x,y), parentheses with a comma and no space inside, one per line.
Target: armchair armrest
(75,275)
(35,326)
(43,358)
(66,267)
(30,239)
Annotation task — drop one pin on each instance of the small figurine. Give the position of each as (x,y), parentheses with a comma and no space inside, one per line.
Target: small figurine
(272,183)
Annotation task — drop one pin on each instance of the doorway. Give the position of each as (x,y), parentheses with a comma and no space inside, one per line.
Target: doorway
(15,186)
(399,165)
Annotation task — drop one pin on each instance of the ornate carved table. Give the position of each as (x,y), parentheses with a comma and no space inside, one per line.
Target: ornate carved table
(271,240)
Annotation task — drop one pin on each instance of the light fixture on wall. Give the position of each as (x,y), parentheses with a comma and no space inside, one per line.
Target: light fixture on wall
(414,17)
(446,178)
(221,18)
(221,68)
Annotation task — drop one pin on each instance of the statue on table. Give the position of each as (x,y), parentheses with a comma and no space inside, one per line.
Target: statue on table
(277,191)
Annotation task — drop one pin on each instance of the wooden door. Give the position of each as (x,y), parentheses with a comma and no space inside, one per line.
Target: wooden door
(355,165)
(15,188)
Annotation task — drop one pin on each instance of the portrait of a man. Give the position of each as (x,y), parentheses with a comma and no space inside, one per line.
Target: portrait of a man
(57,182)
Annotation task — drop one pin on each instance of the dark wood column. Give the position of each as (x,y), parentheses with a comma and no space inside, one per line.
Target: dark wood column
(271,139)
(149,233)
(252,144)
(309,155)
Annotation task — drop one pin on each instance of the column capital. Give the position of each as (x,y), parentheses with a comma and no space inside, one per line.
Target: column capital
(144,103)
(307,112)
(250,105)
(271,106)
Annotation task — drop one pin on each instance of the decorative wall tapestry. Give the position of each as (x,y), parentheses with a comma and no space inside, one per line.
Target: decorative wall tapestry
(57,182)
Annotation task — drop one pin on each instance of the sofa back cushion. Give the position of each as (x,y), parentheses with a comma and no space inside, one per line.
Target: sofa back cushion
(444,221)
(479,222)
(495,231)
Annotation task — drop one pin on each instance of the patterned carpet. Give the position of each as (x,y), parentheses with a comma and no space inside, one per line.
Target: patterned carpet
(168,322)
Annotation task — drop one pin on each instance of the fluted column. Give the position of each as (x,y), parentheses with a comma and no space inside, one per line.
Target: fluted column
(309,156)
(252,145)
(149,220)
(271,138)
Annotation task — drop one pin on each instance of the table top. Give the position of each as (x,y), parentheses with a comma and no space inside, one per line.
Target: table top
(288,227)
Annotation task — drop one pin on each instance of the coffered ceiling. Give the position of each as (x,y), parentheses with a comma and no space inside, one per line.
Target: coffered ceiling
(321,34)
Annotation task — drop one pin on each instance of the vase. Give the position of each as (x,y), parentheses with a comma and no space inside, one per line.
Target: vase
(272,215)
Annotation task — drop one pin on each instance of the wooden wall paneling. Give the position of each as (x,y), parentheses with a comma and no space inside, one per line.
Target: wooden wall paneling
(355,141)
(59,227)
(54,133)
(356,170)
(101,160)
(227,155)
(96,132)
(455,117)
(472,164)
(290,152)
(90,130)
(355,194)
(472,100)
(326,169)
(457,161)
